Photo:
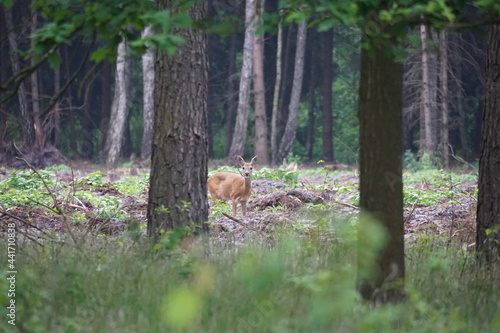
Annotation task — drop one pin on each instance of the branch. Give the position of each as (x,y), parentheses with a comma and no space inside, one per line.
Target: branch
(246,225)
(61,91)
(19,77)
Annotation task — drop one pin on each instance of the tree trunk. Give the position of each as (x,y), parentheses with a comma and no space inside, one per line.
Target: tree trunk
(314,69)
(240,128)
(260,145)
(119,108)
(293,110)
(35,99)
(276,98)
(488,202)
(57,108)
(178,181)
(381,268)
(311,108)
(232,103)
(445,140)
(27,117)
(426,121)
(148,78)
(326,92)
(106,101)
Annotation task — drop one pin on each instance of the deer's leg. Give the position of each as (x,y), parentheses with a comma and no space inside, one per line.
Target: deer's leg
(244,207)
(234,203)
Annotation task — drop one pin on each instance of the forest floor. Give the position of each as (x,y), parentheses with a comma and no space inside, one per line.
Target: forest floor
(439,205)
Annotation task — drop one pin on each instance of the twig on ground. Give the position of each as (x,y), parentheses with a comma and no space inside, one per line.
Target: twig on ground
(245,225)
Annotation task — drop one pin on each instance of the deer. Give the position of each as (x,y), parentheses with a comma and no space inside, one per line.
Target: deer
(230,186)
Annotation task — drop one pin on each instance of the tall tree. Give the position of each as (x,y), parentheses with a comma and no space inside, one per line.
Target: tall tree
(148,78)
(427,141)
(232,88)
(488,202)
(240,128)
(35,98)
(326,93)
(314,72)
(293,109)
(260,146)
(381,276)
(276,97)
(119,108)
(178,180)
(443,79)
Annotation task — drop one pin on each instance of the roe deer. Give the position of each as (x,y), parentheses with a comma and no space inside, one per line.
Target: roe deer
(230,186)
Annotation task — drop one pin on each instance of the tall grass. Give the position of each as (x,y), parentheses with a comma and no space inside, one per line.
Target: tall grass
(295,283)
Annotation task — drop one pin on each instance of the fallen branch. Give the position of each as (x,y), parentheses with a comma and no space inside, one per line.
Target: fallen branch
(243,224)
(345,204)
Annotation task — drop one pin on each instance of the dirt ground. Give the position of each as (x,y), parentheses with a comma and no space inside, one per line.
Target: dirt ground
(273,203)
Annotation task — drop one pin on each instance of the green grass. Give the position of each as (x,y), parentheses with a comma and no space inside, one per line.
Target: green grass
(297,284)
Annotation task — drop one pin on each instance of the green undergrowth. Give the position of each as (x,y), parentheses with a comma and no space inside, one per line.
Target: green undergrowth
(297,282)
(26,188)
(43,189)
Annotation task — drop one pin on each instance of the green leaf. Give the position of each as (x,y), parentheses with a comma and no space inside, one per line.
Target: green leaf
(7,3)
(100,54)
(54,60)
(182,21)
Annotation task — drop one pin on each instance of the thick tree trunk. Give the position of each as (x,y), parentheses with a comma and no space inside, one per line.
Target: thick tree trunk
(260,145)
(240,128)
(488,203)
(119,108)
(276,98)
(381,268)
(178,181)
(148,78)
(293,110)
(326,92)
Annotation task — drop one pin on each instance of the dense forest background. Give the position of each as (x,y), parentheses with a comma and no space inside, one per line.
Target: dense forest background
(69,105)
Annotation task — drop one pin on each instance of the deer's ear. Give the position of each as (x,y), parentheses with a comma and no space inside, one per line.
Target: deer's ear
(239,159)
(254,159)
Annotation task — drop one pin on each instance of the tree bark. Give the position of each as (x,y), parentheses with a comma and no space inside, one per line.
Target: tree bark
(293,110)
(311,108)
(260,145)
(57,109)
(35,99)
(426,121)
(381,268)
(240,128)
(488,202)
(445,140)
(276,98)
(178,181)
(326,92)
(119,108)
(148,78)
(232,86)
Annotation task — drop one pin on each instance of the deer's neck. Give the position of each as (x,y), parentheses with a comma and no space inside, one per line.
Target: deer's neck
(248,185)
